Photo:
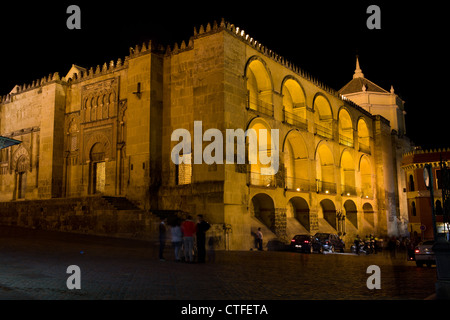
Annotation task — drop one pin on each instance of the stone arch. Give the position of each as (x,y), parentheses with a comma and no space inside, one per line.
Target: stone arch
(325,169)
(348,181)
(351,212)
(365,172)
(300,211)
(323,116)
(264,210)
(102,140)
(345,124)
(322,106)
(363,135)
(259,85)
(294,97)
(296,161)
(253,152)
(329,212)
(22,154)
(369,214)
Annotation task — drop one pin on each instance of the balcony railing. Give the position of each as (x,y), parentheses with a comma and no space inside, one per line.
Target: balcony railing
(260,106)
(364,148)
(326,187)
(295,120)
(346,141)
(324,132)
(367,192)
(297,184)
(258,179)
(348,190)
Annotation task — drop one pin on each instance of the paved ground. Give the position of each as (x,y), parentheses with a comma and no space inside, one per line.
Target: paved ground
(33,265)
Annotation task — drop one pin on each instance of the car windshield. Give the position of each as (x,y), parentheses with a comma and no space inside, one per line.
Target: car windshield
(301,237)
(428,243)
(322,236)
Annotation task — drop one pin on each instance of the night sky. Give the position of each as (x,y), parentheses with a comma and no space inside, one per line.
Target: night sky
(322,38)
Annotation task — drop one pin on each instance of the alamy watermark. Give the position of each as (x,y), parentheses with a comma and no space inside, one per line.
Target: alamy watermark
(260,151)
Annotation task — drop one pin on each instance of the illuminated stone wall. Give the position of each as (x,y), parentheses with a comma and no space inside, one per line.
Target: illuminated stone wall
(338,168)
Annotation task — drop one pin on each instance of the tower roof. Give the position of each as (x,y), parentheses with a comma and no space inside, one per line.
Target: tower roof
(359,83)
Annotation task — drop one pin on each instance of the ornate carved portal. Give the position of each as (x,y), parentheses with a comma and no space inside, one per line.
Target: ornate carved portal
(97,179)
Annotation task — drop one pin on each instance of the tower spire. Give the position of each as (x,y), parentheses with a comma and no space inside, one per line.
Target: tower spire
(358,71)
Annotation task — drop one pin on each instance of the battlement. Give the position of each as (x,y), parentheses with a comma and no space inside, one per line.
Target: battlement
(151,46)
(431,151)
(246,38)
(85,74)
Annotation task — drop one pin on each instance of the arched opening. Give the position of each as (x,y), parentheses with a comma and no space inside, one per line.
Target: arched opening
(363,136)
(411,183)
(369,214)
(325,170)
(366,178)
(263,144)
(345,128)
(300,211)
(264,210)
(294,104)
(348,174)
(21,176)
(296,162)
(98,168)
(323,117)
(329,212)
(259,87)
(351,213)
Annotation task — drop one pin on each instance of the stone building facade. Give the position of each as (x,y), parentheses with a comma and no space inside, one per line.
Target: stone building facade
(420,219)
(107,131)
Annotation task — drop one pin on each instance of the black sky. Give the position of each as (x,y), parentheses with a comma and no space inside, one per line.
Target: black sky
(322,38)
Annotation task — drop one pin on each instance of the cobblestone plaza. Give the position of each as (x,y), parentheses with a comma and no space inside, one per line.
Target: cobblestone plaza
(34,265)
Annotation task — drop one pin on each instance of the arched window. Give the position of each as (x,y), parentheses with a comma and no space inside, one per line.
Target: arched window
(411,183)
(323,117)
(259,87)
(413,209)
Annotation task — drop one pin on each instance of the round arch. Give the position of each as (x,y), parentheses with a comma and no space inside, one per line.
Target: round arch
(325,169)
(296,161)
(322,105)
(345,127)
(259,84)
(368,214)
(294,97)
(259,141)
(300,210)
(365,171)
(329,211)
(263,208)
(347,166)
(363,135)
(351,212)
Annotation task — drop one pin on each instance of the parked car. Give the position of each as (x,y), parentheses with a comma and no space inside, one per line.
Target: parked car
(424,254)
(302,243)
(327,242)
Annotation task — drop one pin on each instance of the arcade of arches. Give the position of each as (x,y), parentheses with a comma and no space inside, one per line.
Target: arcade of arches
(105,132)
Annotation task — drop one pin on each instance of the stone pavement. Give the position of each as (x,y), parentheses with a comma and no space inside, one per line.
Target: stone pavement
(33,265)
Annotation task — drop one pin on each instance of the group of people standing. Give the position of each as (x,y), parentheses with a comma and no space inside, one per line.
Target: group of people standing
(184,235)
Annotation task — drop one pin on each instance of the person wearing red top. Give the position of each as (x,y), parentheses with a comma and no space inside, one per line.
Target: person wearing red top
(189,229)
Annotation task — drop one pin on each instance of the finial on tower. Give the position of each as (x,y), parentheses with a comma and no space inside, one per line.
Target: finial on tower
(358,71)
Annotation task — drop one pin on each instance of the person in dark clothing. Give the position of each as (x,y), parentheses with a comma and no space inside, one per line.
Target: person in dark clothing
(202,227)
(162,238)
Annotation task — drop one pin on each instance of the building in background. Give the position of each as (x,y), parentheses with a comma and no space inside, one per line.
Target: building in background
(96,146)
(419,200)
